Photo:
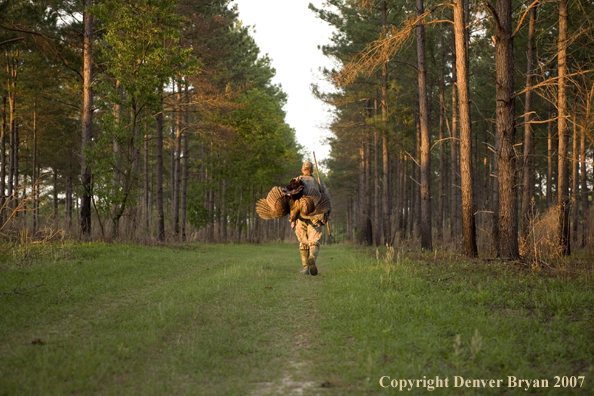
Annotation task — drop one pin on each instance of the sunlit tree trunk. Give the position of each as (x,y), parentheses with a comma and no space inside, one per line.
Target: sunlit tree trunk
(468,224)
(87,121)
(528,168)
(12,73)
(425,155)
(386,181)
(563,164)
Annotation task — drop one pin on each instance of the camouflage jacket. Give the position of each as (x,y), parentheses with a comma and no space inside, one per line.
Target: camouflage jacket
(311,182)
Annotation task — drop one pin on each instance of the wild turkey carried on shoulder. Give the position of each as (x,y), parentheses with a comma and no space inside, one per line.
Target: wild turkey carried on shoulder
(296,199)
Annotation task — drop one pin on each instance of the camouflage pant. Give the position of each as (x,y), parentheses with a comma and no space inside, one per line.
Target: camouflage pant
(308,233)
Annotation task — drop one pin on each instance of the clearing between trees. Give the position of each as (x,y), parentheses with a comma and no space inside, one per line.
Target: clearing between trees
(240,320)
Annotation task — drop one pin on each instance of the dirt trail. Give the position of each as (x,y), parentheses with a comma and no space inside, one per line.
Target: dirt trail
(297,377)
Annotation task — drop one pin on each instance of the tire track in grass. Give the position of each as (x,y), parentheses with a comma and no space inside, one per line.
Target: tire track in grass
(235,320)
(297,377)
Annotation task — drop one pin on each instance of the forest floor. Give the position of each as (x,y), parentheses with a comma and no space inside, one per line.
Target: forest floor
(240,320)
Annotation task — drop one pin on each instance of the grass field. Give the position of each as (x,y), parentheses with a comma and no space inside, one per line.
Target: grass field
(240,320)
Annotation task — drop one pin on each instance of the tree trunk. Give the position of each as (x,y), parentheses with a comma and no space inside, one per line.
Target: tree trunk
(3,162)
(159,173)
(468,224)
(575,204)
(495,202)
(550,160)
(455,186)
(177,164)
(425,157)
(528,168)
(506,132)
(404,196)
(55,195)
(68,209)
(562,155)
(417,176)
(87,122)
(376,192)
(362,212)
(584,176)
(398,198)
(146,211)
(117,158)
(184,186)
(442,164)
(386,190)
(34,176)
(12,72)
(368,226)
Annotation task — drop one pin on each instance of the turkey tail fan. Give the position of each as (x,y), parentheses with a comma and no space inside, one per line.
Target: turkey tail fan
(278,201)
(314,193)
(266,212)
(323,206)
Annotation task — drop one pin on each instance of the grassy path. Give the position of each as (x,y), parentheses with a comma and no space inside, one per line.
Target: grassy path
(240,320)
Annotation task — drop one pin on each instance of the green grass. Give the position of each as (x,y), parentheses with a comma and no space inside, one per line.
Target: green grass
(240,320)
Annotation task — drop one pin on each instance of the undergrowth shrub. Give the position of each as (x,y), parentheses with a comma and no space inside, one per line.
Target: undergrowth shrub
(47,244)
(541,245)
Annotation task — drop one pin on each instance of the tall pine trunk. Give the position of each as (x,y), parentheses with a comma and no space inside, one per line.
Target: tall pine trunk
(455,183)
(442,164)
(575,204)
(186,152)
(528,166)
(159,172)
(468,224)
(386,182)
(376,192)
(146,201)
(12,72)
(584,177)
(425,155)
(550,160)
(562,155)
(506,132)
(34,176)
(177,164)
(87,122)
(3,162)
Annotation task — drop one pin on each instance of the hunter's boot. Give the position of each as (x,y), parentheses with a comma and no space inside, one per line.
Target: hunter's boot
(311,260)
(304,257)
